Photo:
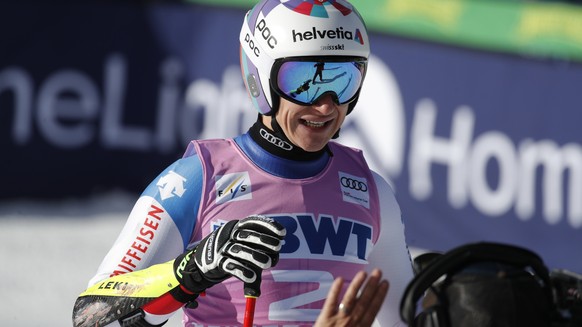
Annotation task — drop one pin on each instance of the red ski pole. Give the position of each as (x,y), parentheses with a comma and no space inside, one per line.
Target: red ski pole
(252,292)
(249,311)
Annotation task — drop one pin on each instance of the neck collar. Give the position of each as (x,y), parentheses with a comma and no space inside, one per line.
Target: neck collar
(276,142)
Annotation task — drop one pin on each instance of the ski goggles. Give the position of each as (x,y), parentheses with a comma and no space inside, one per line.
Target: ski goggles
(303,80)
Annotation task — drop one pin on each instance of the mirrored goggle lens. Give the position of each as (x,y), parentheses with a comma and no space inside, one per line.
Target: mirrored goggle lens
(306,81)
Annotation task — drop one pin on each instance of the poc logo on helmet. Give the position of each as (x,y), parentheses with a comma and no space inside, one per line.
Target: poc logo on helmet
(252,46)
(265,33)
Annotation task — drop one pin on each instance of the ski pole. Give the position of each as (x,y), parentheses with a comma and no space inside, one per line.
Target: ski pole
(249,311)
(252,291)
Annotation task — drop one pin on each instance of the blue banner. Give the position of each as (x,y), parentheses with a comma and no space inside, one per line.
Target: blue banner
(478,145)
(488,147)
(102,96)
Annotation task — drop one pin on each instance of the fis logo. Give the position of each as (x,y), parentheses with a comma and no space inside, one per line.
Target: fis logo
(325,237)
(354,189)
(233,187)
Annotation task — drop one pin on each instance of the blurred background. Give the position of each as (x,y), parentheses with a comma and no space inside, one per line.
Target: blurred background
(471,109)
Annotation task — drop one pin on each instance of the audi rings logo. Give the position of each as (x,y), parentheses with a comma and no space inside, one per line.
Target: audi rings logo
(354,184)
(275,140)
(354,189)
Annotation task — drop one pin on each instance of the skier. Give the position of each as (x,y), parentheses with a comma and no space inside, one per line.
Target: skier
(284,178)
(318,71)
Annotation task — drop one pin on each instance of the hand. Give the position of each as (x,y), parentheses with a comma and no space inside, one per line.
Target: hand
(238,248)
(354,310)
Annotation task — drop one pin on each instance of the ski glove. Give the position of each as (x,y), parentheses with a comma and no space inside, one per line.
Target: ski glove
(239,248)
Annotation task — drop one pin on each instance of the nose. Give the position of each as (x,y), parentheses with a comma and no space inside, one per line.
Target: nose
(326,103)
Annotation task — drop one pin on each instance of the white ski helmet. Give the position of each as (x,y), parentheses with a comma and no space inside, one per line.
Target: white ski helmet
(278,29)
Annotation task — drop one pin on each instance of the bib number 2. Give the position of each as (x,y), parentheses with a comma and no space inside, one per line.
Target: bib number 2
(289,309)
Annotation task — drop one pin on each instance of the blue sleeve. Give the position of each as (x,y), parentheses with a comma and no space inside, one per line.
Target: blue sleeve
(178,188)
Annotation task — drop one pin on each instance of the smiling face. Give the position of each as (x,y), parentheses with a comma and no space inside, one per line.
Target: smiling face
(310,127)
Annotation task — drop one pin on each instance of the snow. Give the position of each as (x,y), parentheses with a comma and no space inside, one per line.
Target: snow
(50,250)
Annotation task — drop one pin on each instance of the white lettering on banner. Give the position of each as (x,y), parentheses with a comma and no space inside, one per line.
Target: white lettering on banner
(556,162)
(467,158)
(168,102)
(225,107)
(426,149)
(71,113)
(493,146)
(21,84)
(378,123)
(67,95)
(56,106)
(113,133)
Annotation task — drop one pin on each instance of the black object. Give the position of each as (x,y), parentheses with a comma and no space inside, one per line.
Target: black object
(481,284)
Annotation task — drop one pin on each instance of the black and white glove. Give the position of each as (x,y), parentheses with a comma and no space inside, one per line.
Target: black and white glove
(239,248)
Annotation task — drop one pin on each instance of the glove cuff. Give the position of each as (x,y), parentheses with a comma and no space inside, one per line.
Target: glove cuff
(181,294)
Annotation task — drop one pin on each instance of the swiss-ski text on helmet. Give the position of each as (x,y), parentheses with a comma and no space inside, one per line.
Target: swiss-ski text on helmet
(333,47)
(315,34)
